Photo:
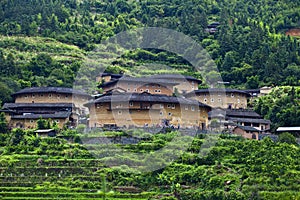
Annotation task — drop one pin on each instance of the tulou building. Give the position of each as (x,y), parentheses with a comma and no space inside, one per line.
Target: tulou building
(156,84)
(221,98)
(145,109)
(64,106)
(162,100)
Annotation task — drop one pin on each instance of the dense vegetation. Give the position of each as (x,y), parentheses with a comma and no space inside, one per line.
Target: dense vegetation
(234,168)
(44,43)
(281,106)
(249,48)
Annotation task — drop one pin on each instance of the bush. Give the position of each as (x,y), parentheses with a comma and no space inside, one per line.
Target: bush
(287,138)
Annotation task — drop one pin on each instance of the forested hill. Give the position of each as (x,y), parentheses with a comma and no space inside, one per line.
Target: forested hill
(44,42)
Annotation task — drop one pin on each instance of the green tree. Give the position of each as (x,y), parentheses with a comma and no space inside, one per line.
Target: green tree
(287,138)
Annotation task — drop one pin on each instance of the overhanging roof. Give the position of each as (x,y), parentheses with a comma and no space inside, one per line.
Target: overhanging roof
(287,129)
(144,80)
(144,97)
(58,115)
(218,90)
(37,105)
(63,90)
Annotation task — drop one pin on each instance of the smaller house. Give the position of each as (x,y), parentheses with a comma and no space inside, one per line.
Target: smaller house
(246,132)
(46,132)
(294,130)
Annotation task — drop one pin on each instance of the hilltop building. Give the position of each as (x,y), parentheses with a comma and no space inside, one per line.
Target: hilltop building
(62,105)
(221,98)
(156,84)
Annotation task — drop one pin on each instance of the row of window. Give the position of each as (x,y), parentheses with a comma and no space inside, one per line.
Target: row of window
(56,121)
(160,113)
(219,100)
(172,106)
(141,90)
(42,95)
(232,95)
(51,95)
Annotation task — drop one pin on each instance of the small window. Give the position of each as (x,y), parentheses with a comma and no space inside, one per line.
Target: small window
(135,90)
(158,91)
(33,95)
(161,113)
(58,96)
(212,100)
(31,121)
(98,105)
(169,105)
(205,100)
(219,100)
(128,89)
(232,95)
(50,95)
(192,108)
(57,120)
(41,95)
(170,114)
(120,112)
(66,96)
(158,86)
(155,91)
(26,96)
(147,90)
(141,90)
(173,106)
(131,104)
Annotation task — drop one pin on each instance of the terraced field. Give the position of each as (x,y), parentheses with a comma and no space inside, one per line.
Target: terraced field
(29,177)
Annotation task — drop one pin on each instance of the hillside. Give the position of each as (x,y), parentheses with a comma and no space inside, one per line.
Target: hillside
(234,168)
(250,47)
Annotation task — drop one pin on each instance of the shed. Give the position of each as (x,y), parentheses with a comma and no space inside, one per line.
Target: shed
(46,132)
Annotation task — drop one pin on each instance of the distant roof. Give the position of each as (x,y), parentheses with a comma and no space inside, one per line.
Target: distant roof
(140,80)
(220,90)
(247,128)
(249,120)
(44,130)
(282,129)
(252,91)
(144,97)
(37,105)
(110,74)
(50,89)
(175,76)
(58,115)
(242,113)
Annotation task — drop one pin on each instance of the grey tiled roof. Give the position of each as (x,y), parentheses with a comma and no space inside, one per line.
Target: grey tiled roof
(58,115)
(175,76)
(242,113)
(144,97)
(248,128)
(37,105)
(50,89)
(250,120)
(220,90)
(144,80)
